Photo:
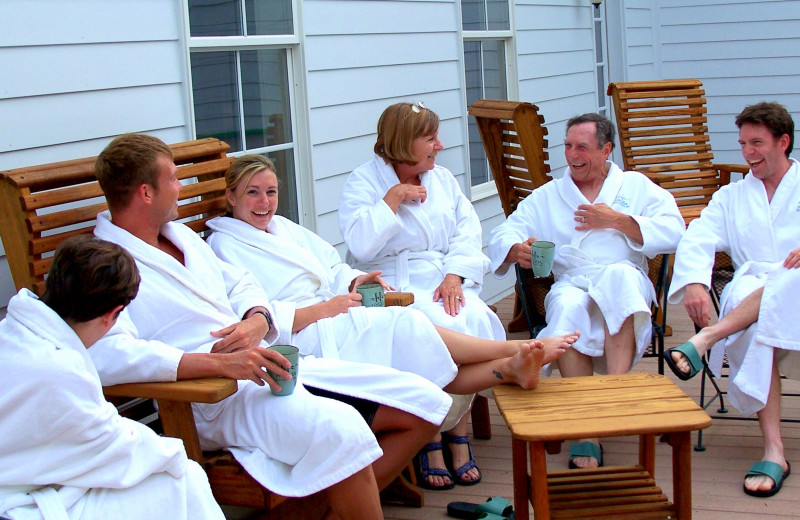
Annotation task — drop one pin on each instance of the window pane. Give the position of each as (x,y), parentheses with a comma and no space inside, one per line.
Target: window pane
(598,41)
(497,13)
(216,97)
(473,15)
(215,18)
(269,16)
(494,73)
(287,185)
(485,75)
(265,89)
(483,15)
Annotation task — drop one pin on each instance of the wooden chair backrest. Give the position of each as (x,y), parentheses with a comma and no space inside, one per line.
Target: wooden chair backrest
(663,133)
(514,140)
(42,205)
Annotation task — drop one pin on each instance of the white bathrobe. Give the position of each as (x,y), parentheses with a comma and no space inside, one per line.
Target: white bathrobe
(758,235)
(65,452)
(601,274)
(419,245)
(294,445)
(297,268)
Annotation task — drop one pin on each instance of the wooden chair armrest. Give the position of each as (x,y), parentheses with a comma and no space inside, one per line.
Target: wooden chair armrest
(206,390)
(396,298)
(738,168)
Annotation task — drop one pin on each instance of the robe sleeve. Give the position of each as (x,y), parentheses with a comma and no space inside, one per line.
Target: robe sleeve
(367,223)
(464,256)
(517,228)
(121,357)
(694,260)
(341,274)
(660,222)
(244,293)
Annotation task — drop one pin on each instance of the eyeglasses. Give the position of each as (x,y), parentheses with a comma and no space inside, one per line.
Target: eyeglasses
(417,106)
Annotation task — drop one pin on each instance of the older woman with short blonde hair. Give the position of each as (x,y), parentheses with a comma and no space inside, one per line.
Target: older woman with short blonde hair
(403,214)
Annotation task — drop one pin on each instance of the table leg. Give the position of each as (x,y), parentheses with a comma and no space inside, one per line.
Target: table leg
(541,495)
(647,453)
(682,473)
(519,465)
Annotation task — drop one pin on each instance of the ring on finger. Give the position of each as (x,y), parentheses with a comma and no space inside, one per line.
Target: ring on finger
(458,298)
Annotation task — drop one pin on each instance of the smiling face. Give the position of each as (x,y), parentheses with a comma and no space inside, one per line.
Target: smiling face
(765,154)
(165,196)
(586,161)
(256,201)
(424,149)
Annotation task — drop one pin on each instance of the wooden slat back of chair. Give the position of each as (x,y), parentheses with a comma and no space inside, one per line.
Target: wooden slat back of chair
(43,205)
(663,133)
(514,140)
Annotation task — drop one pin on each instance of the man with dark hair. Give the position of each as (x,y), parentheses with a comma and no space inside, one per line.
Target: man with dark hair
(605,224)
(197,316)
(65,452)
(755,221)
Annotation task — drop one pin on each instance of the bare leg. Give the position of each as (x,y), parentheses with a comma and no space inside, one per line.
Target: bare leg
(355,498)
(521,369)
(619,350)
(401,435)
(741,317)
(465,349)
(769,419)
(461,451)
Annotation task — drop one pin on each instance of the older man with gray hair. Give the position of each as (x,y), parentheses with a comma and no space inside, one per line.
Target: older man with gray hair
(605,223)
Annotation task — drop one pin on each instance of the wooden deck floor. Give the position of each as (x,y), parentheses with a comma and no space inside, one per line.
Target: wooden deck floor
(717,473)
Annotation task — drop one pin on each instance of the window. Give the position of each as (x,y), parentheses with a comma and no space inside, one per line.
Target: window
(241,56)
(487,37)
(600,53)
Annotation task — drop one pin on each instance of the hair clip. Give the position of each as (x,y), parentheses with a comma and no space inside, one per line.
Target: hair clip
(417,106)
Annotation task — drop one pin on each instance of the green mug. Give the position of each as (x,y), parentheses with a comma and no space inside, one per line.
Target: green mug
(542,254)
(372,294)
(290,352)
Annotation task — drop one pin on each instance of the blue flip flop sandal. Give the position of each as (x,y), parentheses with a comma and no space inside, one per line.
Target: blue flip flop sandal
(695,361)
(585,449)
(499,507)
(773,471)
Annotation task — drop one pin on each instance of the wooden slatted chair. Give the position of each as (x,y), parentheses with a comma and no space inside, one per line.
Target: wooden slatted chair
(663,133)
(42,205)
(514,139)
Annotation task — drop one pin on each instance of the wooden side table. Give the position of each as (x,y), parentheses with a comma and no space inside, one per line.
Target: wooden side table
(600,406)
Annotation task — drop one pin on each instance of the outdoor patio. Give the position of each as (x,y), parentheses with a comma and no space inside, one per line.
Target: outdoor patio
(717,473)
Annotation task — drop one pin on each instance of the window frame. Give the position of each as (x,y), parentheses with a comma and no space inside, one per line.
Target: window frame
(508,37)
(298,105)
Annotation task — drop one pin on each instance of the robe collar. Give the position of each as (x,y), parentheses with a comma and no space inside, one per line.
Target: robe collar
(197,275)
(279,241)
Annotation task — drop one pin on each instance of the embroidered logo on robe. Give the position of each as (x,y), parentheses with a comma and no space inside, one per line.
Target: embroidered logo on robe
(621,201)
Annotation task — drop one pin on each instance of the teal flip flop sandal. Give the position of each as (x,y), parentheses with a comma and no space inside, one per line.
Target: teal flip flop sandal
(773,471)
(497,506)
(695,361)
(585,449)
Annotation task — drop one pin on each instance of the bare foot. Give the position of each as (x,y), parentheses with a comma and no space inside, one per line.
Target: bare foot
(763,482)
(586,462)
(555,346)
(702,342)
(524,367)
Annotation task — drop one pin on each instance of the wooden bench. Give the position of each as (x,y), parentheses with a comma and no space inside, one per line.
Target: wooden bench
(42,205)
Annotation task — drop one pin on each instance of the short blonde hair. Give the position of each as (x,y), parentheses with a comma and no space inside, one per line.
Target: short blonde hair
(398,126)
(242,170)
